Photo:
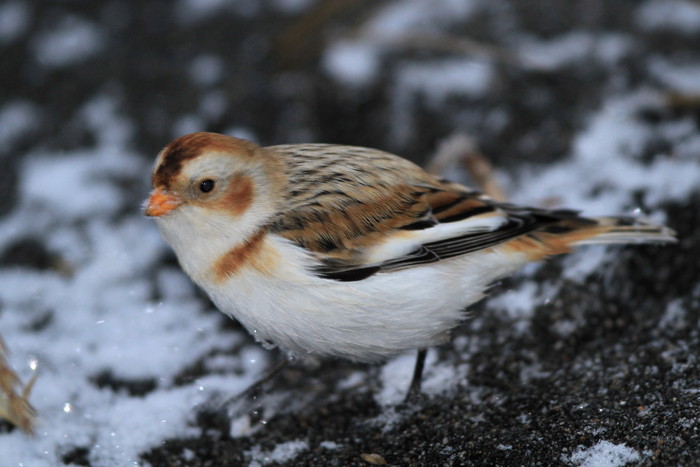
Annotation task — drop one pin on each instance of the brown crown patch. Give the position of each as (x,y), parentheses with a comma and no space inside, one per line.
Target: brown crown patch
(187,147)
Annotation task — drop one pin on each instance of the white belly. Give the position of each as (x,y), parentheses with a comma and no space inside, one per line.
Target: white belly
(364,320)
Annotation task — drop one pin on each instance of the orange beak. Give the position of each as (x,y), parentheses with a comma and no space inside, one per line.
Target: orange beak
(160,203)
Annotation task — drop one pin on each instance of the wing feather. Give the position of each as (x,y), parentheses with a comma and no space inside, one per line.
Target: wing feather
(361,211)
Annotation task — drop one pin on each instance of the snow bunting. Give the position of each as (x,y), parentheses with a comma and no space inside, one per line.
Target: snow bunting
(348,251)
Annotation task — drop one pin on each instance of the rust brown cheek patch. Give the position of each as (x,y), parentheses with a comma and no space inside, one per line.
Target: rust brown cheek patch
(238,196)
(232,261)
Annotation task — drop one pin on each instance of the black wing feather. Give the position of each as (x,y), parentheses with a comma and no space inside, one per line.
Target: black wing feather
(521,221)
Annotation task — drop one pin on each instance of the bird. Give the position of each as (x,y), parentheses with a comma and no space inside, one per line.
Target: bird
(347,251)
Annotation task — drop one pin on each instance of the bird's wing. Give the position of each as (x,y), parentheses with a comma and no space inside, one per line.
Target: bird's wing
(361,211)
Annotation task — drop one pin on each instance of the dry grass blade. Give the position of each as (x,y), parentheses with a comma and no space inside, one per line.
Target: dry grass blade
(683,101)
(461,149)
(459,45)
(14,399)
(300,43)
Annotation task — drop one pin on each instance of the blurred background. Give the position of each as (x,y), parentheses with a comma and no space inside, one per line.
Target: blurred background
(587,103)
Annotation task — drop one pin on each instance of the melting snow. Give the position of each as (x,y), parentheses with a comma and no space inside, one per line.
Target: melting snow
(674,15)
(14,20)
(281,453)
(17,118)
(71,40)
(604,454)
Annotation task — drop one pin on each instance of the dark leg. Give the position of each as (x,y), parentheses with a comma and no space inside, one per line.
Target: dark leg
(254,388)
(414,389)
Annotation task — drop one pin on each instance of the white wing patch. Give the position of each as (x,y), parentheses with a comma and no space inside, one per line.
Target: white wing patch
(401,243)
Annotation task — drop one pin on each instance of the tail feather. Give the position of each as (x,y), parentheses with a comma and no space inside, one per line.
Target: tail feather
(562,236)
(610,230)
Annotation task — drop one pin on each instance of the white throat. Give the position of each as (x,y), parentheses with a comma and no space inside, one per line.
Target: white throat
(201,236)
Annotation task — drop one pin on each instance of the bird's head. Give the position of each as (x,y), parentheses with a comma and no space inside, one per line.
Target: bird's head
(208,185)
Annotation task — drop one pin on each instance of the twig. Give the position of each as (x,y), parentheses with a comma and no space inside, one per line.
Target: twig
(300,43)
(461,45)
(460,148)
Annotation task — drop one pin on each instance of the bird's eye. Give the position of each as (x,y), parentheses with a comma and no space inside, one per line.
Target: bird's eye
(206,185)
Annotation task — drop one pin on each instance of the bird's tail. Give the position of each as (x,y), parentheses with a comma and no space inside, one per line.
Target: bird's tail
(624,230)
(563,235)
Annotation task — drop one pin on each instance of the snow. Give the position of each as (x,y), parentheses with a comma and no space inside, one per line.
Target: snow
(585,262)
(187,124)
(206,70)
(17,119)
(674,15)
(674,316)
(194,11)
(683,78)
(329,445)
(440,79)
(604,454)
(103,315)
(357,61)
(292,6)
(74,185)
(517,303)
(435,81)
(396,376)
(572,48)
(399,17)
(352,62)
(604,155)
(71,40)
(14,20)
(281,453)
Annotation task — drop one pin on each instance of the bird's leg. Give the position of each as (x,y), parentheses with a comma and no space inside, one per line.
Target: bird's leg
(257,385)
(414,388)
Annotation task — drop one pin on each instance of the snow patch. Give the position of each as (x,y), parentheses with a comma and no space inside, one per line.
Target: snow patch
(76,184)
(352,62)
(17,118)
(583,262)
(603,454)
(399,17)
(674,316)
(518,304)
(683,78)
(194,11)
(396,377)
(434,82)
(669,15)
(206,70)
(330,445)
(573,48)
(606,155)
(283,452)
(70,41)
(292,6)
(101,315)
(357,61)
(14,20)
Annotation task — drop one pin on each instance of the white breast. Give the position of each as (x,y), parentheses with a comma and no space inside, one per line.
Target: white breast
(364,320)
